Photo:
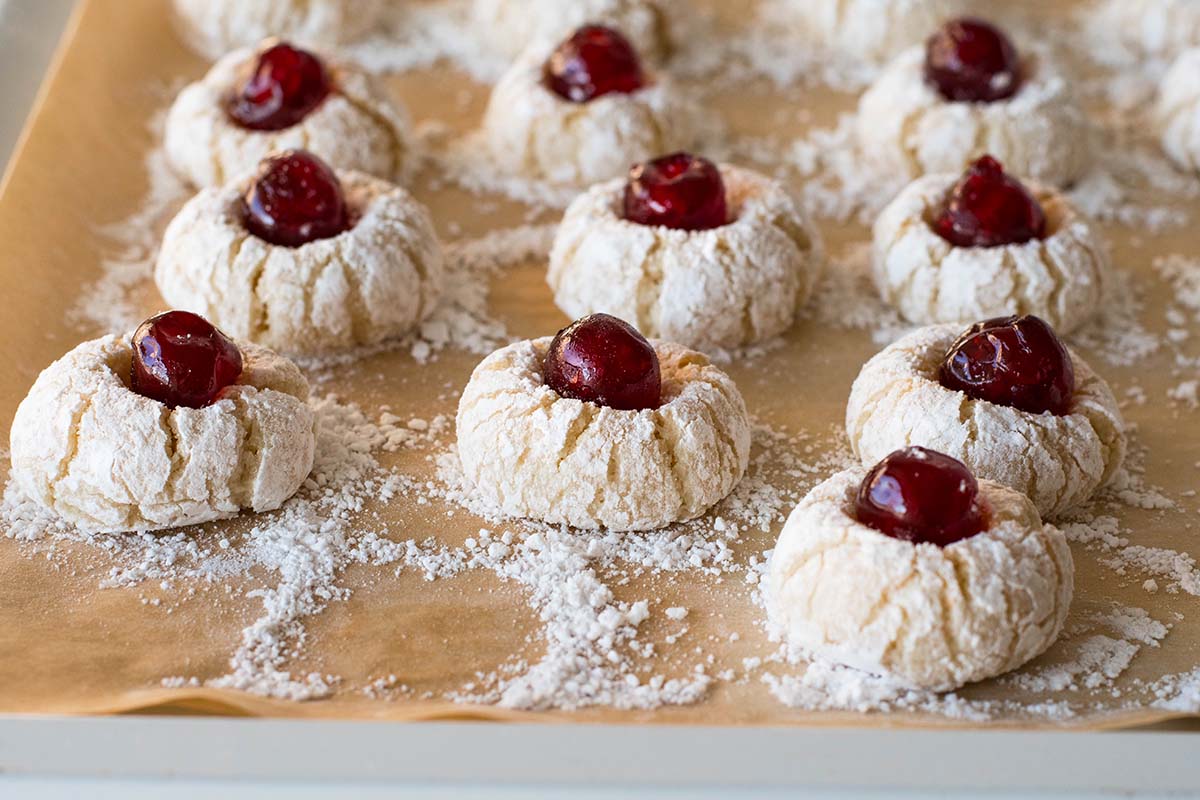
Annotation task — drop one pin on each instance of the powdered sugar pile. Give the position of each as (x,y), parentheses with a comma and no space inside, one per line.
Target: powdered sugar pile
(1096,659)
(822,686)
(1179,693)
(1104,534)
(591,639)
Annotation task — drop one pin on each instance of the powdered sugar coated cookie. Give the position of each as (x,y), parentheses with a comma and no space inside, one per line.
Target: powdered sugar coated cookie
(723,287)
(105,458)
(905,125)
(214,27)
(533,453)
(1056,461)
(1061,278)
(375,281)
(534,133)
(933,618)
(356,127)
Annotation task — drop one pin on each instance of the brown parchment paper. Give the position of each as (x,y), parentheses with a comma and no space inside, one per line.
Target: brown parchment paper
(67,646)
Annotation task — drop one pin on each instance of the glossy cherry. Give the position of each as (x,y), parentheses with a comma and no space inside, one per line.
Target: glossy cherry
(989,208)
(281,88)
(970,60)
(604,360)
(180,359)
(295,199)
(1012,361)
(593,62)
(679,191)
(919,495)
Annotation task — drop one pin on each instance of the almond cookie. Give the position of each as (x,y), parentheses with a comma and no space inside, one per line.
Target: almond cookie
(514,24)
(583,112)
(253,103)
(1056,451)
(108,457)
(927,113)
(1178,110)
(734,283)
(870,31)
(637,457)
(943,253)
(215,27)
(373,274)
(931,610)
(1157,28)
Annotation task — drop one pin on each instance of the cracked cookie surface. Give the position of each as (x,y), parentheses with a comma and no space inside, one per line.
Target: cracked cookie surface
(107,459)
(375,281)
(723,287)
(1056,461)
(534,133)
(1061,278)
(514,24)
(357,127)
(933,618)
(533,453)
(215,27)
(1040,132)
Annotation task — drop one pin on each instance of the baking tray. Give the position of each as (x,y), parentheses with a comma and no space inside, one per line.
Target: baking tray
(72,647)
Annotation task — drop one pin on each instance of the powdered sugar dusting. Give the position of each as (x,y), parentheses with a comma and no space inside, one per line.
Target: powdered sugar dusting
(592,641)
(1095,659)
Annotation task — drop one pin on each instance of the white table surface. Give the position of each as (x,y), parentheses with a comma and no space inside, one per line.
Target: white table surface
(147,757)
(139,757)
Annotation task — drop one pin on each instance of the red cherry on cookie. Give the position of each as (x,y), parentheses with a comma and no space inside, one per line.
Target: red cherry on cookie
(970,60)
(678,191)
(281,88)
(1012,361)
(180,359)
(593,62)
(295,199)
(604,360)
(988,208)
(919,495)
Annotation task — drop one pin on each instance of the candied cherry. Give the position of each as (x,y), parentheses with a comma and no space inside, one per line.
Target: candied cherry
(989,208)
(970,60)
(604,360)
(281,87)
(180,359)
(680,191)
(920,495)
(1012,361)
(295,199)
(593,62)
